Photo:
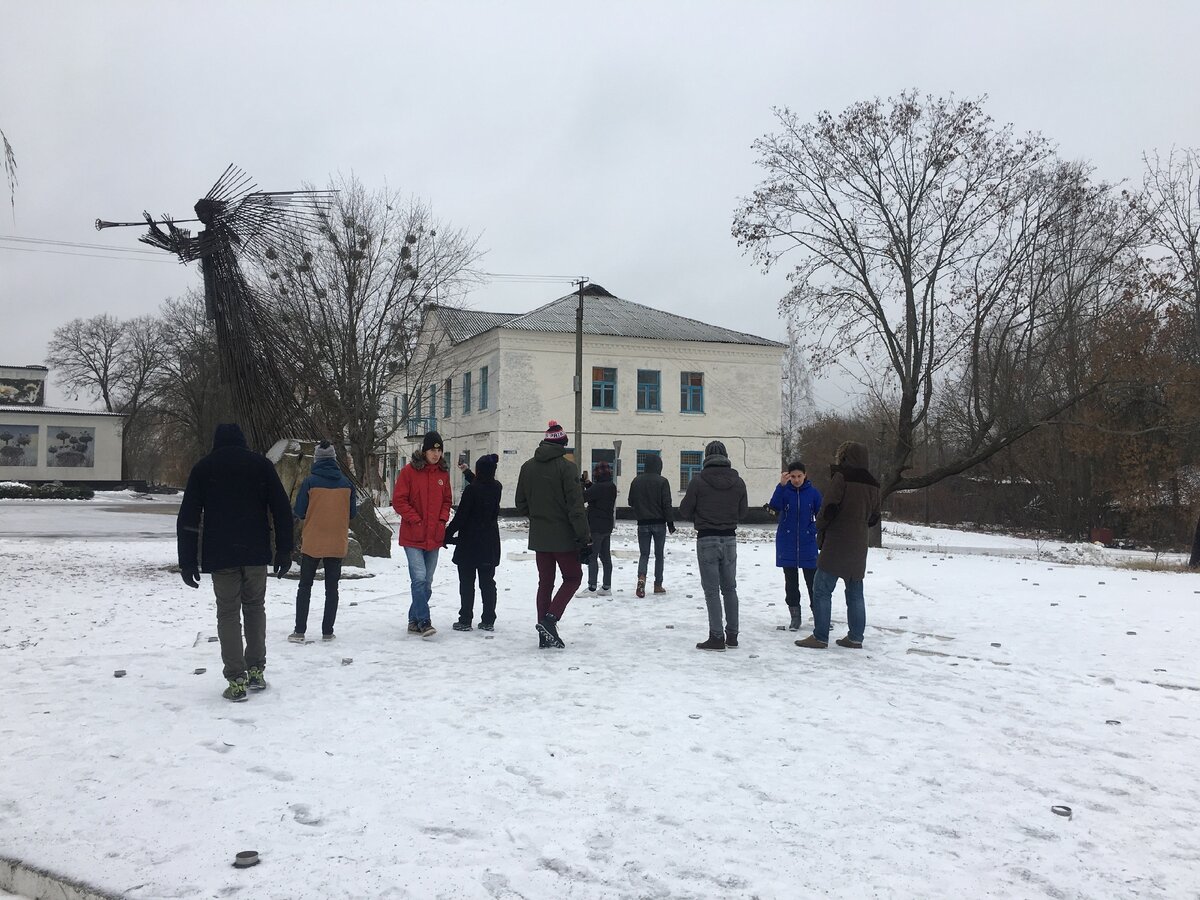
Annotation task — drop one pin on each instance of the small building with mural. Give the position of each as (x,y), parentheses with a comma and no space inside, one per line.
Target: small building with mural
(40,443)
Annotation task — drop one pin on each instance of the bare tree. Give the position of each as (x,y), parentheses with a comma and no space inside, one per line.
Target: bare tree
(10,171)
(350,306)
(945,252)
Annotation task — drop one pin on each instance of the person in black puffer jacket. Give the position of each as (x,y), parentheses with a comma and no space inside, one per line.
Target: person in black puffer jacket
(650,501)
(716,502)
(475,530)
(224,527)
(601,499)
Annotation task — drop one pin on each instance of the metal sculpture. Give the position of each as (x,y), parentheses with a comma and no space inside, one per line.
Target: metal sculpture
(243,223)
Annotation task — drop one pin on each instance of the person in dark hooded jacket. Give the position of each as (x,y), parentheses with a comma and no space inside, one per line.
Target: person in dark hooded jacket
(716,502)
(843,527)
(475,532)
(325,503)
(600,495)
(234,509)
(650,502)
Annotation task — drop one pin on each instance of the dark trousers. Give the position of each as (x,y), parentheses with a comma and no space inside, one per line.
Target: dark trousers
(791,583)
(601,556)
(646,535)
(572,576)
(240,594)
(308,572)
(487,591)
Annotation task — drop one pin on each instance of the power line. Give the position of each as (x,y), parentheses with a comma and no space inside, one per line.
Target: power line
(89,255)
(77,245)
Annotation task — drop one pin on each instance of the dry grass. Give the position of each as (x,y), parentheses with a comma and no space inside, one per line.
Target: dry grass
(1156,565)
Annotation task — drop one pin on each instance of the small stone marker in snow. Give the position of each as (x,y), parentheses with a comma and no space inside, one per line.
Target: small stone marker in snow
(346,660)
(668,626)
(199,671)
(694,716)
(213,639)
(119,673)
(354,603)
(904,617)
(1131,632)
(781,628)
(1112,721)
(994,644)
(1064,811)
(246,859)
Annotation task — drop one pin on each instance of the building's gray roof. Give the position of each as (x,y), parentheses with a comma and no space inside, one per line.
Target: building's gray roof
(603,314)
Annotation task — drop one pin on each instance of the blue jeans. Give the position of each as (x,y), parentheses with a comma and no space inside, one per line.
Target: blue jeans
(717,559)
(658,535)
(856,606)
(421,564)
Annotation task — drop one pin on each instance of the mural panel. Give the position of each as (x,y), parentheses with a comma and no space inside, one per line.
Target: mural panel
(23,391)
(70,446)
(18,445)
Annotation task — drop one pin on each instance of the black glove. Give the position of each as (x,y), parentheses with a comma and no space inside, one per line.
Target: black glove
(283,562)
(770,509)
(191,577)
(585,552)
(448,540)
(671,527)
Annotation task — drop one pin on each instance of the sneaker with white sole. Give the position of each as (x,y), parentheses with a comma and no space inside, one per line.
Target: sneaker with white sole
(255,680)
(328,637)
(296,638)
(236,690)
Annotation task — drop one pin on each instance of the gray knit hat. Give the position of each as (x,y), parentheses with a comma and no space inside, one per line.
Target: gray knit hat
(324,451)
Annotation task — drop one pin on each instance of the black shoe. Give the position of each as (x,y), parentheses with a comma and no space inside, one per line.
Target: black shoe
(731,639)
(414,628)
(462,626)
(795,625)
(549,627)
(486,626)
(714,642)
(544,641)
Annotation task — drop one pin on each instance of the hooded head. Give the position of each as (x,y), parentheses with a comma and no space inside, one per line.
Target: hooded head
(652,464)
(852,455)
(555,434)
(324,450)
(602,471)
(228,434)
(485,467)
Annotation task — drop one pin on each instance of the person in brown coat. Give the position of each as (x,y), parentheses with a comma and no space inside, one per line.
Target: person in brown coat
(850,510)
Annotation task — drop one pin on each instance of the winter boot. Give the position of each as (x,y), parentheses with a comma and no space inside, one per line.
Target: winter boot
(487,626)
(795,611)
(236,690)
(255,680)
(427,629)
(714,642)
(296,637)
(659,589)
(414,628)
(812,642)
(731,639)
(849,644)
(548,625)
(641,587)
(328,637)
(460,625)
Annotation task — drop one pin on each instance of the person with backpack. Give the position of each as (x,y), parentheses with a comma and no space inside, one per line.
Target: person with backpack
(796,501)
(475,532)
(600,495)
(325,504)
(650,502)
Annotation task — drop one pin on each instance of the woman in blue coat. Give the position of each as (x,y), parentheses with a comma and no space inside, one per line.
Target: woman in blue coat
(797,503)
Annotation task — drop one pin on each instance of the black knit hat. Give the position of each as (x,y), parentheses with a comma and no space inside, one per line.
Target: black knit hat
(433,441)
(715,448)
(485,468)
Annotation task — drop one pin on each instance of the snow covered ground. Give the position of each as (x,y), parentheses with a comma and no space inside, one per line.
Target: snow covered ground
(629,765)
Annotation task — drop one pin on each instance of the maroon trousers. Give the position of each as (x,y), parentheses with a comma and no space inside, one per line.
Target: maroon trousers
(572,576)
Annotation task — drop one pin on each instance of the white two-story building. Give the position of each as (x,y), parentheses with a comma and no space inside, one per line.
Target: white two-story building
(654,383)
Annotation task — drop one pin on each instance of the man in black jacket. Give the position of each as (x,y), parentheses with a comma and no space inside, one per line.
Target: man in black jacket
(650,502)
(232,500)
(716,501)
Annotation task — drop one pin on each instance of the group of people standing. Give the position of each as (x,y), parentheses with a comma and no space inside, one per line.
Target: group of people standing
(236,510)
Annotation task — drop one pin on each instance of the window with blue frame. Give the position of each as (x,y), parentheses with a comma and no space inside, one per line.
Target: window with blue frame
(447,397)
(691,392)
(690,463)
(642,456)
(483,388)
(466,392)
(604,388)
(649,390)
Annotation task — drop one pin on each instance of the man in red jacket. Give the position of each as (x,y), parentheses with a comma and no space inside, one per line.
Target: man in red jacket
(422,498)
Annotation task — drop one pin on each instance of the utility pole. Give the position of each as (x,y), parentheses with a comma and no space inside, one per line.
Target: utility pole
(579,379)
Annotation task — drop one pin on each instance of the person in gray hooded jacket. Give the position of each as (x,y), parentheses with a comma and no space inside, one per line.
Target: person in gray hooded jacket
(716,502)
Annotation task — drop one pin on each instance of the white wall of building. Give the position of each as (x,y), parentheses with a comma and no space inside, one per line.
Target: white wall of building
(530,381)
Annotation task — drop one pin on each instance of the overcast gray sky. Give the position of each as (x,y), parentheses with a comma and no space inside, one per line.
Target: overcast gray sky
(611,140)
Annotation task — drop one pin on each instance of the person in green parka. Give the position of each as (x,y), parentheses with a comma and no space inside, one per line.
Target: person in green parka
(549,493)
